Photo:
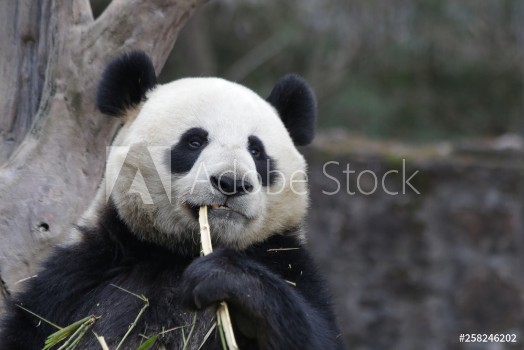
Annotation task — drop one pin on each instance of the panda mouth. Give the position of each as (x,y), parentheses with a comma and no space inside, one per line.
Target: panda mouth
(219,211)
(218,207)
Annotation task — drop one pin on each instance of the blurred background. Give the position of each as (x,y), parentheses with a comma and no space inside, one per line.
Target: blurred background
(421,70)
(431,87)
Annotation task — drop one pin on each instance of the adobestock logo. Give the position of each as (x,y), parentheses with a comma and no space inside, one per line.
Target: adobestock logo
(370,177)
(142,177)
(135,170)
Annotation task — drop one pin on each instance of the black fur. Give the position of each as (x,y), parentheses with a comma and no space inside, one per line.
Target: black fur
(266,166)
(125,82)
(296,104)
(185,153)
(267,311)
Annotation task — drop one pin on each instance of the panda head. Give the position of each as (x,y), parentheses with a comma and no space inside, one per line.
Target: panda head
(205,141)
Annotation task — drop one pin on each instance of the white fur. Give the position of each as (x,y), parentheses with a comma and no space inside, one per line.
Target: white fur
(230,113)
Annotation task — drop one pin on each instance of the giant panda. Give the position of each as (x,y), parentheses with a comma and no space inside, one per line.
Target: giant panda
(185,144)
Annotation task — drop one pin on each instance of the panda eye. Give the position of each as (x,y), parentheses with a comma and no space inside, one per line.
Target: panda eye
(195,143)
(255,151)
(256,148)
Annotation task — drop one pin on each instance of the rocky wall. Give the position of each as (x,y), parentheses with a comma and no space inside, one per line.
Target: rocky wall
(413,271)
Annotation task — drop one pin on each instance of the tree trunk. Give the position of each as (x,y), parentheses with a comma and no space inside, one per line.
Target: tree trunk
(52,140)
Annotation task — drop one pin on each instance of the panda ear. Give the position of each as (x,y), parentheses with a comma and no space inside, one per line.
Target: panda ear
(125,82)
(296,104)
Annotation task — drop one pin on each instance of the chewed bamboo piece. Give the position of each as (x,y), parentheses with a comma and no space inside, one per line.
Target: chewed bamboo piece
(223,317)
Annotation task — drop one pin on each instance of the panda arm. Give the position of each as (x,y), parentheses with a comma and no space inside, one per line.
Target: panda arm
(57,293)
(283,315)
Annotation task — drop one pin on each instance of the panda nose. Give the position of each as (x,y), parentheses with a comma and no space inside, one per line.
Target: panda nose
(230,186)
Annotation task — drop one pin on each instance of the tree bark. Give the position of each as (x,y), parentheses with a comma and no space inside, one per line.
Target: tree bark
(52,140)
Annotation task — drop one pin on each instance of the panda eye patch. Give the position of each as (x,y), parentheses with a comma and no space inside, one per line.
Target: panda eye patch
(256,148)
(265,165)
(255,151)
(185,153)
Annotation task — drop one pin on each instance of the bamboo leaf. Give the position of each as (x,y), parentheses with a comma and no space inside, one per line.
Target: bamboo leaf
(148,344)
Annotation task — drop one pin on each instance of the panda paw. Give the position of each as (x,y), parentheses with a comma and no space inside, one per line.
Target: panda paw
(221,276)
(262,304)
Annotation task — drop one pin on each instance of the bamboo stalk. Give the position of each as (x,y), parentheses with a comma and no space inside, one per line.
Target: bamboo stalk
(223,317)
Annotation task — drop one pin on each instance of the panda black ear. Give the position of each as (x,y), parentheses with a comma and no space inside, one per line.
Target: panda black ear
(125,82)
(296,104)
